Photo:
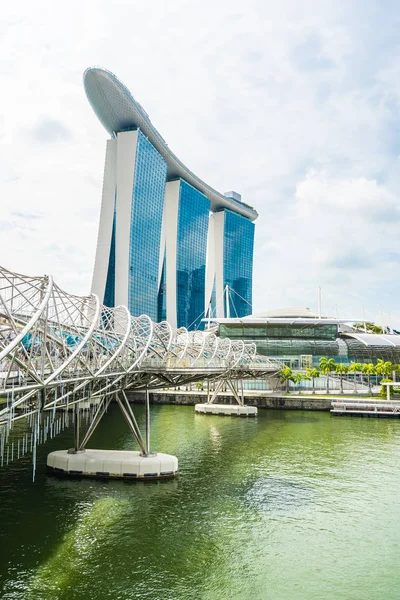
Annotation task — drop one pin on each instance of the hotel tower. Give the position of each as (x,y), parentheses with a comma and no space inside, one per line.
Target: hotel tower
(169,245)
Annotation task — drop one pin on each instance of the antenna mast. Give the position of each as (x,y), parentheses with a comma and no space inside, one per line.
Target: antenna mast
(227,311)
(319,301)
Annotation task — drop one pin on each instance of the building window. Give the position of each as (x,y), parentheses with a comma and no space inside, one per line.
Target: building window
(193,218)
(147,209)
(238,262)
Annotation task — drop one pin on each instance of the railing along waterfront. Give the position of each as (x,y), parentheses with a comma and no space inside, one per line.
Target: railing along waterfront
(365,406)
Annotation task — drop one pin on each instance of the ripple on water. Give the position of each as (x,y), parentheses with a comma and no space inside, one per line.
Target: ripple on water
(276,494)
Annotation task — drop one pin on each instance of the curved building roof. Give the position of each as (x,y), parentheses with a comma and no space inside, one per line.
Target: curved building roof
(295,313)
(118,111)
(375,339)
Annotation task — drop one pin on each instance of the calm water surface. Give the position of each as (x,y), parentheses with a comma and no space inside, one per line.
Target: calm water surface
(288,506)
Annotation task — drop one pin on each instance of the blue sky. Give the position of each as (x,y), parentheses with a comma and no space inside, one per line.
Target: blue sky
(293,104)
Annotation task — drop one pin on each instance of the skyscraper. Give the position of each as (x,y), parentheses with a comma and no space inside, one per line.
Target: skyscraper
(168,243)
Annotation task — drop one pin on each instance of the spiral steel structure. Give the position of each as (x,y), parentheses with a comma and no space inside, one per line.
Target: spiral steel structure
(57,349)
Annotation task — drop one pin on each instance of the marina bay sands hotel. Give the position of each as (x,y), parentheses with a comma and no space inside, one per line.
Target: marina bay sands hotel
(168,243)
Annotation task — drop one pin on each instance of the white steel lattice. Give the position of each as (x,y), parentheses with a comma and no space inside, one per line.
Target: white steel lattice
(57,349)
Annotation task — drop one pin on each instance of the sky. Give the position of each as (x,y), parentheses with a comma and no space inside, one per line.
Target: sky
(295,105)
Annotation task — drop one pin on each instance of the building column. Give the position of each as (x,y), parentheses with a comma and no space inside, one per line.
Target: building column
(106,221)
(126,161)
(171,209)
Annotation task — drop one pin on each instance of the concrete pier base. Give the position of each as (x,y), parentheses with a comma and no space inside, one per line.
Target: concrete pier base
(234,410)
(112,464)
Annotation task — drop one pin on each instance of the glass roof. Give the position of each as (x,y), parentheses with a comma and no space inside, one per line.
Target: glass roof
(373,339)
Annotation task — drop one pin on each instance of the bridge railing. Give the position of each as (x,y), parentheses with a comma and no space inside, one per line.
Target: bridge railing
(56,348)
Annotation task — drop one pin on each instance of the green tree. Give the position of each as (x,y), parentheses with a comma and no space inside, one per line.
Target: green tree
(396,369)
(285,376)
(326,366)
(384,368)
(369,326)
(298,377)
(384,393)
(369,369)
(355,368)
(313,374)
(342,370)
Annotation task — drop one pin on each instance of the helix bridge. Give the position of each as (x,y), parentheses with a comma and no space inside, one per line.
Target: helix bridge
(64,358)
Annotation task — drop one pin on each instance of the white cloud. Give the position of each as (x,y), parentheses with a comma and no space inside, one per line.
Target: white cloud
(295,105)
(341,233)
(360,197)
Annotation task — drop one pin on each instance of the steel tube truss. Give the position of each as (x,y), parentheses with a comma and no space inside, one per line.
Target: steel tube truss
(58,350)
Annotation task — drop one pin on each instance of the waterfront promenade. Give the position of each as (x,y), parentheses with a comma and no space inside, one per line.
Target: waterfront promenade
(259,398)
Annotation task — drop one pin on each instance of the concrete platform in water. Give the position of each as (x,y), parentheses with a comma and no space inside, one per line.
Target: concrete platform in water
(234,410)
(112,464)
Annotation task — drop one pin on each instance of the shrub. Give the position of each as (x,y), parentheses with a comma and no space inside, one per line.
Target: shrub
(383,392)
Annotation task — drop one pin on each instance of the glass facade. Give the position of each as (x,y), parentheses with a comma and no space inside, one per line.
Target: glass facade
(301,346)
(109,294)
(278,330)
(193,217)
(213,301)
(359,352)
(162,294)
(147,289)
(290,343)
(238,262)
(146,220)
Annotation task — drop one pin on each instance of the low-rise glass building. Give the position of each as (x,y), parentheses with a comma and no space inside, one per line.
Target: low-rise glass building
(299,338)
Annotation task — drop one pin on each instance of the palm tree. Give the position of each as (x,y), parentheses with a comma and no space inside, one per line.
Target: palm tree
(327,365)
(396,370)
(342,370)
(286,375)
(298,377)
(369,326)
(355,368)
(313,374)
(369,369)
(384,369)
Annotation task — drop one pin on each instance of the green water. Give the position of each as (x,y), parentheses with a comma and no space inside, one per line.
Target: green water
(288,506)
